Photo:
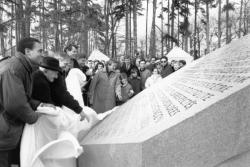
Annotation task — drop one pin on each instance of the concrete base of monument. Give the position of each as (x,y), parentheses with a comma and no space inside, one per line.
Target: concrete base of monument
(241,160)
(217,136)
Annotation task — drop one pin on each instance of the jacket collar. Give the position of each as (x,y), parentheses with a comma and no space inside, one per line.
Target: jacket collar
(30,67)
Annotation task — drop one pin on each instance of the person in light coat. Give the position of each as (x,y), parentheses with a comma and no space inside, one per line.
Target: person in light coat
(154,78)
(105,87)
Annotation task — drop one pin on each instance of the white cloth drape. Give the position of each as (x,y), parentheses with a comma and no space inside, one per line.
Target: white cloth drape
(52,140)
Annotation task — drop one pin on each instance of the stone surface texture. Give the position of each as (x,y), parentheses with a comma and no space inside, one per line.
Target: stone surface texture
(198,116)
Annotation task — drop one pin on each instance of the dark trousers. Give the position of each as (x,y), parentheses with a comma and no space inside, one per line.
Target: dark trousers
(4,158)
(14,156)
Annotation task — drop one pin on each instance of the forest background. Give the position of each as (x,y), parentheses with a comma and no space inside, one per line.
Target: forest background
(149,28)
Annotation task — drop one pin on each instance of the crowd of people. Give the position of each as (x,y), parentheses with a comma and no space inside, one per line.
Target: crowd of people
(112,83)
(31,80)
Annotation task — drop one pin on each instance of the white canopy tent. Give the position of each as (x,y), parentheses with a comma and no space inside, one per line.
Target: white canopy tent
(178,54)
(97,55)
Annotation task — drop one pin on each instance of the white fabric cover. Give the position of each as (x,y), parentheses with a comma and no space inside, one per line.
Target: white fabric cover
(52,140)
(178,54)
(97,55)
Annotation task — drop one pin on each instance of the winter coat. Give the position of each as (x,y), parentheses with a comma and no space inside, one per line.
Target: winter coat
(136,84)
(16,105)
(125,91)
(55,93)
(103,91)
(152,80)
(126,69)
(144,76)
(168,69)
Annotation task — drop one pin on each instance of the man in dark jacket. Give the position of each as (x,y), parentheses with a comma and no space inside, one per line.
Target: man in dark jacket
(16,105)
(167,68)
(71,51)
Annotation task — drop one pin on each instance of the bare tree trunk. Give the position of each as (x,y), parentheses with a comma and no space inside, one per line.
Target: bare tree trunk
(19,20)
(40,19)
(130,29)
(106,13)
(199,42)
(84,32)
(162,18)
(152,50)
(127,30)
(56,24)
(207,28)
(146,52)
(227,24)
(178,25)
(172,24)
(135,25)
(168,41)
(27,18)
(11,31)
(240,21)
(245,19)
(60,25)
(219,24)
(113,49)
(2,48)
(195,28)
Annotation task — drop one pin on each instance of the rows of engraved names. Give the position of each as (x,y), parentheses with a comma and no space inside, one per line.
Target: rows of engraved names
(223,64)
(193,91)
(219,87)
(219,77)
(230,54)
(226,59)
(123,128)
(180,98)
(157,112)
(230,59)
(167,104)
(229,70)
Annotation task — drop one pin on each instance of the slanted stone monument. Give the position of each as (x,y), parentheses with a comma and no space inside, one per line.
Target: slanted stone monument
(198,116)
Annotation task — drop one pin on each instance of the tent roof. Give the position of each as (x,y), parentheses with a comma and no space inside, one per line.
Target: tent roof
(97,55)
(178,54)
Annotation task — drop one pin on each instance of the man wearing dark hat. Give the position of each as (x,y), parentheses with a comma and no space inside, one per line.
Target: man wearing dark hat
(43,78)
(49,86)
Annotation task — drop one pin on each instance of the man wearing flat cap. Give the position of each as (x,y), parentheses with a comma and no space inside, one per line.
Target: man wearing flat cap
(49,86)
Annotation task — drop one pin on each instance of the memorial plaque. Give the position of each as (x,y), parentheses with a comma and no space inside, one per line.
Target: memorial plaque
(197,116)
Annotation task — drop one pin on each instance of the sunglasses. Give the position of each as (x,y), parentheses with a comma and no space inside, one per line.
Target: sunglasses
(163,61)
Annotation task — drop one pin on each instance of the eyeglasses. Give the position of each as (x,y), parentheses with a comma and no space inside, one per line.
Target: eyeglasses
(163,61)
